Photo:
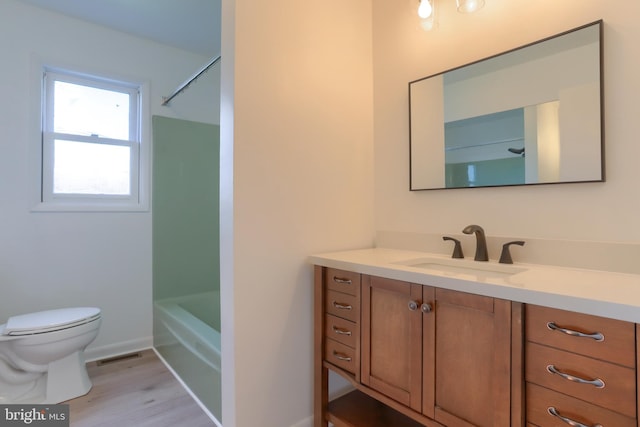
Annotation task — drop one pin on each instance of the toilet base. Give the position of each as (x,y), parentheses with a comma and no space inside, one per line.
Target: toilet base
(67,378)
(28,392)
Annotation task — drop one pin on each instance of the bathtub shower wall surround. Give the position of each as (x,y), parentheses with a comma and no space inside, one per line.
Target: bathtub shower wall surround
(186,242)
(186,253)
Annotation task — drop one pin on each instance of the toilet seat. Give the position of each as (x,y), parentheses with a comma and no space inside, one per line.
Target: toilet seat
(50,320)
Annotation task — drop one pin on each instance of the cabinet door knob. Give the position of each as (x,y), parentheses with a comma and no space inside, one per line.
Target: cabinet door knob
(426,308)
(554,412)
(413,305)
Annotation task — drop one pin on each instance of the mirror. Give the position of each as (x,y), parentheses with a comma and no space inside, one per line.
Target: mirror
(529,116)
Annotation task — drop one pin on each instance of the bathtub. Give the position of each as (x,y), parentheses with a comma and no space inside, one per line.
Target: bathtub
(193,321)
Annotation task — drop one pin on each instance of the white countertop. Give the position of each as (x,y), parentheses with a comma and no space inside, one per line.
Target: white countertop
(600,293)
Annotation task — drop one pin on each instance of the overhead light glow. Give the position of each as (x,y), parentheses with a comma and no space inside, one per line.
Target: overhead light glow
(469,6)
(425,9)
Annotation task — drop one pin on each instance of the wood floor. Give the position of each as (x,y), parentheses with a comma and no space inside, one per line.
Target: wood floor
(138,392)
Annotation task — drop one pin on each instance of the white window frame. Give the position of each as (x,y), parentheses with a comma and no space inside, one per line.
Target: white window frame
(137,200)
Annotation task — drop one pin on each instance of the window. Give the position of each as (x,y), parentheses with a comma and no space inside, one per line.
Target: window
(90,141)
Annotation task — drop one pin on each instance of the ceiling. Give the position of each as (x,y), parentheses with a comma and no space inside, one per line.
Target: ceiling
(192,25)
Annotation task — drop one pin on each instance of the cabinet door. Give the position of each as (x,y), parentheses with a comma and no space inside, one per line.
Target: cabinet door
(392,339)
(467,360)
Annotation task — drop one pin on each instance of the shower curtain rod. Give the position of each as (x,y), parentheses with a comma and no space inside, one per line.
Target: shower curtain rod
(183,86)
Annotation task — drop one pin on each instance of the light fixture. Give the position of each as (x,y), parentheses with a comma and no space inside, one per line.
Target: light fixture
(425,9)
(469,6)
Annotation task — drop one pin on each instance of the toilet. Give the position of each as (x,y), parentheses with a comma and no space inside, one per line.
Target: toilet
(42,355)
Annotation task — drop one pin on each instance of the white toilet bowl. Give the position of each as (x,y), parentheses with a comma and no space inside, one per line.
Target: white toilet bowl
(42,355)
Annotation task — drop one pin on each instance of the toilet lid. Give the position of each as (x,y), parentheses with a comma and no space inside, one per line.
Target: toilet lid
(50,320)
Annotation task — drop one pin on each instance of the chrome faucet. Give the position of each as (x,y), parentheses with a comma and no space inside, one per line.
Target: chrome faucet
(481,242)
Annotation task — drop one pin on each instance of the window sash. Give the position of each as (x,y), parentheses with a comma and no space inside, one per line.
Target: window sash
(49,137)
(48,154)
(51,77)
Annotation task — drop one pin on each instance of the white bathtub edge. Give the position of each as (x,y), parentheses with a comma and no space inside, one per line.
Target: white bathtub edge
(188,390)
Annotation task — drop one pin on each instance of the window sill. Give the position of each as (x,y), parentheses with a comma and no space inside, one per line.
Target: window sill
(89,207)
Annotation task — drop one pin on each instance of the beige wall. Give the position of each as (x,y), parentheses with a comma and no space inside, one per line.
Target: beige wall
(302,116)
(297,173)
(404,52)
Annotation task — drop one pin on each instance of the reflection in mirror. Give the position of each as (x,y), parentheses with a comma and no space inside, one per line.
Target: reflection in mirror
(529,116)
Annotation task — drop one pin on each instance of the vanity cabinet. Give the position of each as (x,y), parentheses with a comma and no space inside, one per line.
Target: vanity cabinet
(442,353)
(342,320)
(428,357)
(392,339)
(580,369)
(467,366)
(442,348)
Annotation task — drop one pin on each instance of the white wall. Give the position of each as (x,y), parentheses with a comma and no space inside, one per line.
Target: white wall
(200,101)
(297,173)
(297,162)
(404,52)
(51,260)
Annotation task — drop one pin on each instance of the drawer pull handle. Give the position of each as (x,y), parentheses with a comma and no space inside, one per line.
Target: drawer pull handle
(341,356)
(553,411)
(594,336)
(341,331)
(341,280)
(598,383)
(342,306)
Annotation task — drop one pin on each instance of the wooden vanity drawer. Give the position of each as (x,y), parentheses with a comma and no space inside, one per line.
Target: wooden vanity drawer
(341,330)
(340,355)
(617,345)
(619,386)
(539,400)
(343,305)
(343,281)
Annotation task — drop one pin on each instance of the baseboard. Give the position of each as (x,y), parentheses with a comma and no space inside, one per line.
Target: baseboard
(340,391)
(307,422)
(116,349)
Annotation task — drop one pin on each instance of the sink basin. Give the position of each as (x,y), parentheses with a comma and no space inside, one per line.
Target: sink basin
(455,267)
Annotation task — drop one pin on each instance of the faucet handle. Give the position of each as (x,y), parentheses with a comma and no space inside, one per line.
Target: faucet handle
(457,249)
(505,256)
